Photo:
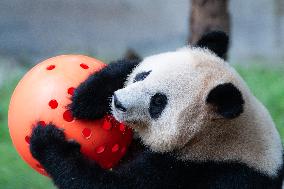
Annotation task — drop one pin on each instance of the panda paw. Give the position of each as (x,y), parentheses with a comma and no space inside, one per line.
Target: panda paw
(49,141)
(91,98)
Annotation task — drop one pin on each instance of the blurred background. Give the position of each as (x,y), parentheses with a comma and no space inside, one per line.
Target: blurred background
(31,31)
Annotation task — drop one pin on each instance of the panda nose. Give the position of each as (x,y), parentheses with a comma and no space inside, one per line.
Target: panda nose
(117,104)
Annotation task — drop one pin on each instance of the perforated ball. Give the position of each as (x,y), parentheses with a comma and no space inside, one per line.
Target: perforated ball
(42,96)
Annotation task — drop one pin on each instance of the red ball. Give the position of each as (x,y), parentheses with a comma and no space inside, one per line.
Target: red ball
(42,97)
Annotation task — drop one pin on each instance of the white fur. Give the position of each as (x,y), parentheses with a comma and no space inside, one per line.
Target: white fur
(191,126)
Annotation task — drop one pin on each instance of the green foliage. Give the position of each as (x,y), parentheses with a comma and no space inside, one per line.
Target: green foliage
(266,83)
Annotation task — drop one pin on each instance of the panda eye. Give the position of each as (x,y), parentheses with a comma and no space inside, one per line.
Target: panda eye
(158,103)
(141,76)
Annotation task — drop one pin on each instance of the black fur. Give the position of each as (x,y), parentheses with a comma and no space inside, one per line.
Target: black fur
(91,100)
(158,103)
(118,105)
(227,99)
(141,76)
(216,41)
(70,170)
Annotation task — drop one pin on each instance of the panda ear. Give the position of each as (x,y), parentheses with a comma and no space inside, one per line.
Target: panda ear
(216,41)
(226,100)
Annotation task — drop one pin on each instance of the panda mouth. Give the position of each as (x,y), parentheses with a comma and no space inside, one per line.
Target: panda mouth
(136,124)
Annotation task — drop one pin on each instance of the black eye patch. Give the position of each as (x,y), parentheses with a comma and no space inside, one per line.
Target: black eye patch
(158,103)
(141,76)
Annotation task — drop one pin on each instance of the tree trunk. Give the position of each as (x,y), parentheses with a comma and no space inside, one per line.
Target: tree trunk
(208,15)
(278,15)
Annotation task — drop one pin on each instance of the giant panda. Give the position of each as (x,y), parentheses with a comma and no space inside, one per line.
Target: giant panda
(197,122)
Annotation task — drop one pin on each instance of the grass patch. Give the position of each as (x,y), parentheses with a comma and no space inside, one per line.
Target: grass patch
(265,82)
(14,172)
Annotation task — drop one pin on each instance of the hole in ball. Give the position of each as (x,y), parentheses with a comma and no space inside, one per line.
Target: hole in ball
(53,104)
(107,125)
(67,116)
(100,149)
(115,148)
(71,91)
(28,139)
(50,67)
(84,66)
(42,123)
(87,133)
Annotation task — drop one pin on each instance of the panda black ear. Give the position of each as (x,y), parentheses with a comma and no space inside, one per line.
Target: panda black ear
(216,41)
(227,100)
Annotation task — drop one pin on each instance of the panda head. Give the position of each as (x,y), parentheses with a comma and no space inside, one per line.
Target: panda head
(170,97)
(189,102)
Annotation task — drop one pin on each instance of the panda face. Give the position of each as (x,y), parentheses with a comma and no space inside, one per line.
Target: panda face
(164,99)
(155,95)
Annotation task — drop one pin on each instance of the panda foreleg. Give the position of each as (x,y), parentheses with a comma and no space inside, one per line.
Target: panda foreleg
(69,169)
(65,164)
